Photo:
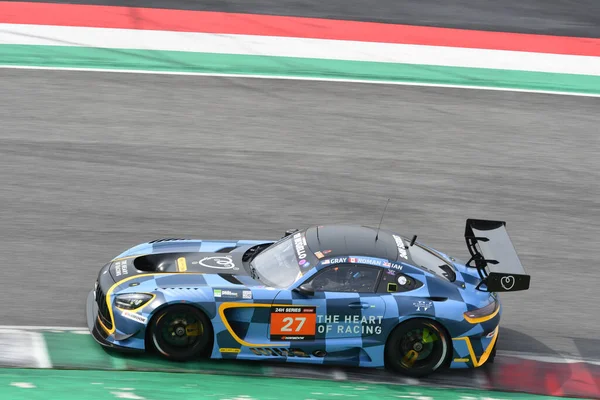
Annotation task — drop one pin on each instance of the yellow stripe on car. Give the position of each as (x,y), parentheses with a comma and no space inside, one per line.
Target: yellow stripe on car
(486,353)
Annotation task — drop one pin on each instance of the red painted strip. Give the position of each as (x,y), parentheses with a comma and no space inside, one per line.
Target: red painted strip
(579,380)
(250,24)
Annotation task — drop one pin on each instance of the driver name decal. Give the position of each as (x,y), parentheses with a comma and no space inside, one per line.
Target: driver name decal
(350,324)
(293,323)
(339,260)
(367,260)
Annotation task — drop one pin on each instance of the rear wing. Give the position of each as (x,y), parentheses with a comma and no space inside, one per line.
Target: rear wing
(494,256)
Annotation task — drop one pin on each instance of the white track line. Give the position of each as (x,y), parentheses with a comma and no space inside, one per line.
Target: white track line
(547,359)
(42,328)
(304,78)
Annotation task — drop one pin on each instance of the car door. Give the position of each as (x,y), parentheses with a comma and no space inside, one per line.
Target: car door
(346,307)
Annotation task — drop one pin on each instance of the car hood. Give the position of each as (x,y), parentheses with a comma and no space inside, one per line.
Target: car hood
(222,258)
(228,267)
(186,245)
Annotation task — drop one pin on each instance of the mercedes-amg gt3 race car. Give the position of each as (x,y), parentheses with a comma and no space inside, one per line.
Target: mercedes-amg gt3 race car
(333,294)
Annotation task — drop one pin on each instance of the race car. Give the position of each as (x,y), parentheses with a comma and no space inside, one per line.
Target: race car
(331,294)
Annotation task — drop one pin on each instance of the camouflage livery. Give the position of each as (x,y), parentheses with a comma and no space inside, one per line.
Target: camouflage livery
(253,320)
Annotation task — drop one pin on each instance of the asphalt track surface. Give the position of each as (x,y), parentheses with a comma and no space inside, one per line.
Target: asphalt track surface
(93,163)
(550,17)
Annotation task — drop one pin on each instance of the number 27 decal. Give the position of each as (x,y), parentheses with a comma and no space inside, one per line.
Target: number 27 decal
(289,321)
(293,323)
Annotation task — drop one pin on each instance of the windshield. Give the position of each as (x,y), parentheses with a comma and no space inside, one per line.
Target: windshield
(279,265)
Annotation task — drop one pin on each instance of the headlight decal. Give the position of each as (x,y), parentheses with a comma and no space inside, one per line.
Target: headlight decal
(132,301)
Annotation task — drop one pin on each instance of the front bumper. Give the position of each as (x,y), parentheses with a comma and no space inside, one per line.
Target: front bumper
(97,331)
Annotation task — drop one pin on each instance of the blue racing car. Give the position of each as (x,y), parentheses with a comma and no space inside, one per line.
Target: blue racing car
(332,294)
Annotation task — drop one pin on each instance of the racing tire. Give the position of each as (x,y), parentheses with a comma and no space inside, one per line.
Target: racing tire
(181,333)
(417,348)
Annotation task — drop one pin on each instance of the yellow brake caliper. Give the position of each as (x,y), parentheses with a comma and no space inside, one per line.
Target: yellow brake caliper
(194,330)
(410,358)
(429,337)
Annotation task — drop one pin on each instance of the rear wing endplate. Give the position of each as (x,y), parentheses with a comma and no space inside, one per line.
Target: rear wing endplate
(494,256)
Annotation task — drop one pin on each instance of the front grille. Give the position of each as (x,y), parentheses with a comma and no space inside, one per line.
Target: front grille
(103,308)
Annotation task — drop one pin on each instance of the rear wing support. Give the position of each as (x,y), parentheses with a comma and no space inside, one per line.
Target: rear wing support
(494,257)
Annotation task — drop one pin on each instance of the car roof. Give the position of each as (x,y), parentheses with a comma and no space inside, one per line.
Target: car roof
(344,240)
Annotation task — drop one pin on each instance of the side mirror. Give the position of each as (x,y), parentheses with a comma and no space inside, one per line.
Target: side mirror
(305,289)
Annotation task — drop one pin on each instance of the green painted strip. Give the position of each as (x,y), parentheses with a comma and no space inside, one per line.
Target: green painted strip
(69,350)
(75,385)
(173,61)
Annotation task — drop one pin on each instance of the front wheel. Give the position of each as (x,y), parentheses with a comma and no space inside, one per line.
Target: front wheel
(417,348)
(181,333)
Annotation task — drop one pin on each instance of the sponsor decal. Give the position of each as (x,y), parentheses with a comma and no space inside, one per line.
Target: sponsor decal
(507,282)
(422,305)
(490,335)
(278,352)
(326,252)
(229,350)
(401,247)
(219,262)
(230,293)
(350,324)
(134,317)
(293,323)
(300,246)
(121,268)
(302,262)
(246,294)
(319,254)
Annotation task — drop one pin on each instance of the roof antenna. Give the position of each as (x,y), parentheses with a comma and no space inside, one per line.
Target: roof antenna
(382,214)
(318,240)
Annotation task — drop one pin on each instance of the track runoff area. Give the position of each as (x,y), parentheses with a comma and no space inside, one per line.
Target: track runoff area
(59,362)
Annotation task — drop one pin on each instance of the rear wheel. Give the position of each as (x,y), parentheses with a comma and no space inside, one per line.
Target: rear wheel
(181,333)
(417,348)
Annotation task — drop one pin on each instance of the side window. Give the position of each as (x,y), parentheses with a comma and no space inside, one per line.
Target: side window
(346,278)
(395,281)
